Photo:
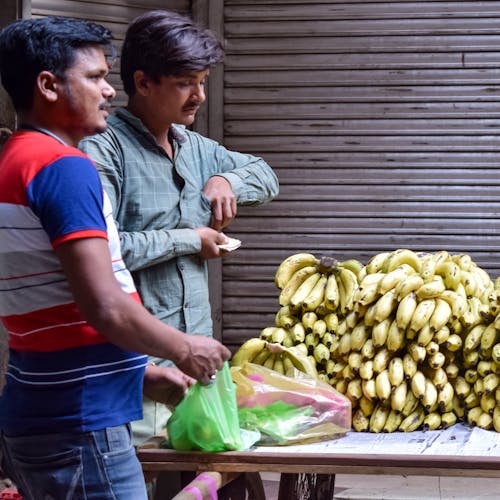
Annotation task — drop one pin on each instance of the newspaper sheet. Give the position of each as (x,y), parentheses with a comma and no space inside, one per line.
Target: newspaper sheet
(456,440)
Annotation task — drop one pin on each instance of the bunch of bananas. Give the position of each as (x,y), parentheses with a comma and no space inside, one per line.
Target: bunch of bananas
(411,338)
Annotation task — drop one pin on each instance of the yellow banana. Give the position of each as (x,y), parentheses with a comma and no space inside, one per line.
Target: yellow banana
(445,398)
(381,360)
(269,362)
(248,350)
(354,391)
(332,296)
(411,403)
(417,352)
(473,338)
(353,265)
(366,370)
(422,314)
(355,360)
(461,387)
(376,263)
(436,360)
(485,421)
(425,335)
(291,286)
(491,382)
(441,315)
(430,397)
(359,335)
(260,358)
(448,418)
(413,421)
(495,353)
(453,343)
(450,272)
(301,362)
(439,378)
(348,284)
(394,277)
(298,332)
(442,335)
(385,305)
(489,337)
(402,256)
(315,297)
(395,338)
(288,367)
(392,422)
(285,317)
(319,328)
(411,283)
(431,422)
(487,403)
(409,366)
(380,331)
(379,417)
(464,261)
(368,349)
(405,310)
(473,415)
(383,386)
(496,418)
(398,397)
(366,406)
(431,289)
(360,422)
(279,365)
(291,264)
(304,290)
(418,385)
(308,319)
(428,267)
(321,353)
(457,302)
(367,294)
(332,322)
(369,390)
(396,372)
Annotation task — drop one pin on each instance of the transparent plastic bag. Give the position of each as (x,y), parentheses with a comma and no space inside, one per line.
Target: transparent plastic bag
(207,418)
(288,410)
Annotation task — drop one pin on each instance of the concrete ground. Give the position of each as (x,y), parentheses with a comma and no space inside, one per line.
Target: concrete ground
(374,487)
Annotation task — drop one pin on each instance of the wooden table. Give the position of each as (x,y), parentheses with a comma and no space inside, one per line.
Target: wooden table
(458,451)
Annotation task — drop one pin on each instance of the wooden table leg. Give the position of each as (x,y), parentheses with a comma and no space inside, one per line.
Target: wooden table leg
(307,487)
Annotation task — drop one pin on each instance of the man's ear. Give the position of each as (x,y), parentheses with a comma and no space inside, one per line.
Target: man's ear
(141,82)
(46,85)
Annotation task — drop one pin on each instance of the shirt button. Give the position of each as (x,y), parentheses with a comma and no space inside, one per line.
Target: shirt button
(186,305)
(181,266)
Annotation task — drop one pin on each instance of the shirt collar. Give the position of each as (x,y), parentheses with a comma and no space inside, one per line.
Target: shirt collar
(176,132)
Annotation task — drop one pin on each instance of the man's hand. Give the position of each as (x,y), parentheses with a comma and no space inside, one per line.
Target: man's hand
(210,239)
(166,385)
(205,357)
(220,193)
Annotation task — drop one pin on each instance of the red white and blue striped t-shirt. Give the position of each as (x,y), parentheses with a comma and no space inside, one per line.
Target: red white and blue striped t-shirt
(62,375)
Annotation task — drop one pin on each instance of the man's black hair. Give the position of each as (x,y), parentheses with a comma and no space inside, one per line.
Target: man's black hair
(164,43)
(29,46)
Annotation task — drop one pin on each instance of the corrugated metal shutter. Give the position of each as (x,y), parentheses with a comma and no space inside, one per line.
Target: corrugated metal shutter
(381,120)
(114,14)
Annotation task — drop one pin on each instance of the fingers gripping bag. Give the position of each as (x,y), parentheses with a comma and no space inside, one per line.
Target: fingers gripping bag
(207,418)
(288,410)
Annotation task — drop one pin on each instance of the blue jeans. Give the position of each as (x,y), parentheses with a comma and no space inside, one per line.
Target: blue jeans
(100,465)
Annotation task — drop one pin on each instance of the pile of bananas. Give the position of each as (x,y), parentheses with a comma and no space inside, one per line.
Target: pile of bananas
(413,339)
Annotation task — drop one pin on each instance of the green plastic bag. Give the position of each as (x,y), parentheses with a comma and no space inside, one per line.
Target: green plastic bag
(207,418)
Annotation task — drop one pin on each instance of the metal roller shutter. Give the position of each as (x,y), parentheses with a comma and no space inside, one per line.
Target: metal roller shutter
(381,120)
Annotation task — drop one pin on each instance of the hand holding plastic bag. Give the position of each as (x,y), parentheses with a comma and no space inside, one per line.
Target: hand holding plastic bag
(207,418)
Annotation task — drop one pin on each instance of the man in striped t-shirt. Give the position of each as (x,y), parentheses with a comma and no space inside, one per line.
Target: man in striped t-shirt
(78,333)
